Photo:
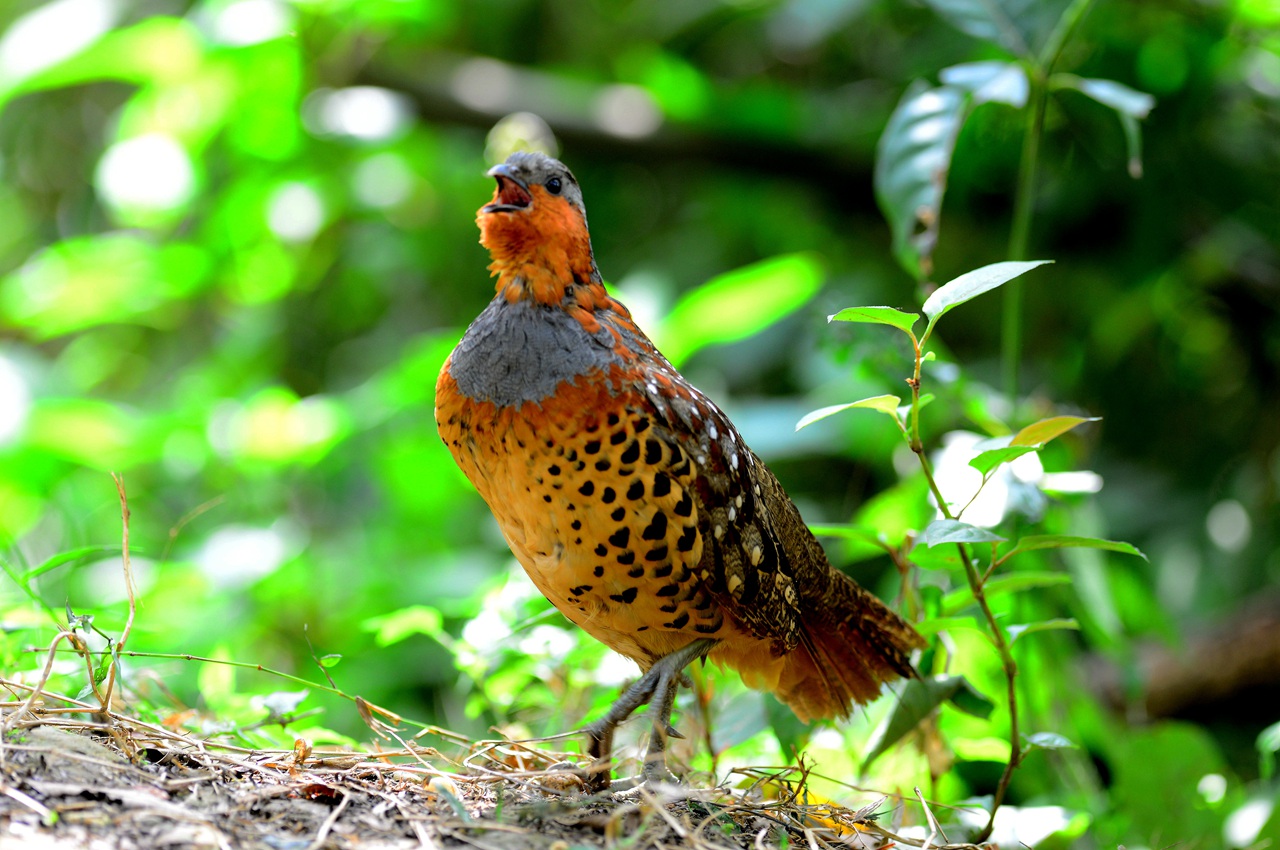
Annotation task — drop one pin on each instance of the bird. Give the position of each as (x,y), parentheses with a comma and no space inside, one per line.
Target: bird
(630,498)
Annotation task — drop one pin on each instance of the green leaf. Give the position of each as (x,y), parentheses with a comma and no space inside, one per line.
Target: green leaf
(877,315)
(990,82)
(850,532)
(931,627)
(71,556)
(1268,745)
(913,159)
(960,598)
(1020,26)
(971,701)
(1018,631)
(917,700)
(1047,741)
(1109,93)
(986,461)
(972,284)
(1064,541)
(330,660)
(954,531)
(883,403)
(862,543)
(1039,433)
(737,304)
(88,281)
(1130,106)
(792,734)
(392,628)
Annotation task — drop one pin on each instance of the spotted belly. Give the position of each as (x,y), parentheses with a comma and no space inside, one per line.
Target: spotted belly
(599,509)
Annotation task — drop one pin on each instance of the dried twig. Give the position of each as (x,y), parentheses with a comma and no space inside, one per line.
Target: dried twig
(129,587)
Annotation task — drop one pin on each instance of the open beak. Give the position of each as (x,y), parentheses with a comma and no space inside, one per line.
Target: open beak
(512,194)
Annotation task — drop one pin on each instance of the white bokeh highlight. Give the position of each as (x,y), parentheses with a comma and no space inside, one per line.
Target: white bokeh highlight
(151,172)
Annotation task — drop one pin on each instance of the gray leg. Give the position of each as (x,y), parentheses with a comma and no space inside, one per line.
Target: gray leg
(658,688)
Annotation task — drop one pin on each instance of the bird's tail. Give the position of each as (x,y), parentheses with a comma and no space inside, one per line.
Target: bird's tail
(850,644)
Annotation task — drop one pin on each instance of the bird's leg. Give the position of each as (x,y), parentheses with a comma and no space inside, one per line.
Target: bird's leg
(658,688)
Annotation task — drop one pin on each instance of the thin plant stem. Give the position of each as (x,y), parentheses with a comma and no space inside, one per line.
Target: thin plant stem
(1020,234)
(977,584)
(1024,198)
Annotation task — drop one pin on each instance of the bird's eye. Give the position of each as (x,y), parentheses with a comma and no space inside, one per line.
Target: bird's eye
(553,185)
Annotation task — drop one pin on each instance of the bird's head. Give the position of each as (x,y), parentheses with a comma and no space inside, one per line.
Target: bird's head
(536,229)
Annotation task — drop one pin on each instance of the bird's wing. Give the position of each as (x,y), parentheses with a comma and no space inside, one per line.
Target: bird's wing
(755,547)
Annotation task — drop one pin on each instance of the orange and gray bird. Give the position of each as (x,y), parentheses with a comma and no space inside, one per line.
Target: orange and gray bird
(629,497)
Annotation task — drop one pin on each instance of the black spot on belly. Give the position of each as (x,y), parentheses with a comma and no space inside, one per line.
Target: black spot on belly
(652,451)
(620,537)
(657,529)
(657,553)
(661,485)
(679,622)
(608,495)
(668,590)
(632,454)
(587,489)
(628,596)
(636,490)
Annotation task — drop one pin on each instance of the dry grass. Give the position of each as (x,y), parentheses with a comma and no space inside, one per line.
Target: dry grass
(72,775)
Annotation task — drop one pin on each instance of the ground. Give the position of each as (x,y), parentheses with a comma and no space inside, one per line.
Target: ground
(72,779)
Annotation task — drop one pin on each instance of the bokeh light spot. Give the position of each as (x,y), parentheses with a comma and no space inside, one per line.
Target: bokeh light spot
(483,84)
(295,212)
(364,113)
(627,111)
(51,33)
(238,555)
(520,131)
(382,180)
(1228,526)
(246,22)
(15,400)
(149,173)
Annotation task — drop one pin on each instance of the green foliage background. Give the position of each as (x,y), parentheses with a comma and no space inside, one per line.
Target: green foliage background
(249,328)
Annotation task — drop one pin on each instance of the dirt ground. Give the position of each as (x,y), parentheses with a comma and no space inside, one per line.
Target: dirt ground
(69,779)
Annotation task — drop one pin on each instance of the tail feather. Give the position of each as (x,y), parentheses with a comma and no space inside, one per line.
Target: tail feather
(851,644)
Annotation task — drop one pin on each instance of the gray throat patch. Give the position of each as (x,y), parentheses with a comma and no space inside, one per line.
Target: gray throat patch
(513,353)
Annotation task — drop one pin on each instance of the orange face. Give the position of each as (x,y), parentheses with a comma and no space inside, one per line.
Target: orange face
(535,236)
